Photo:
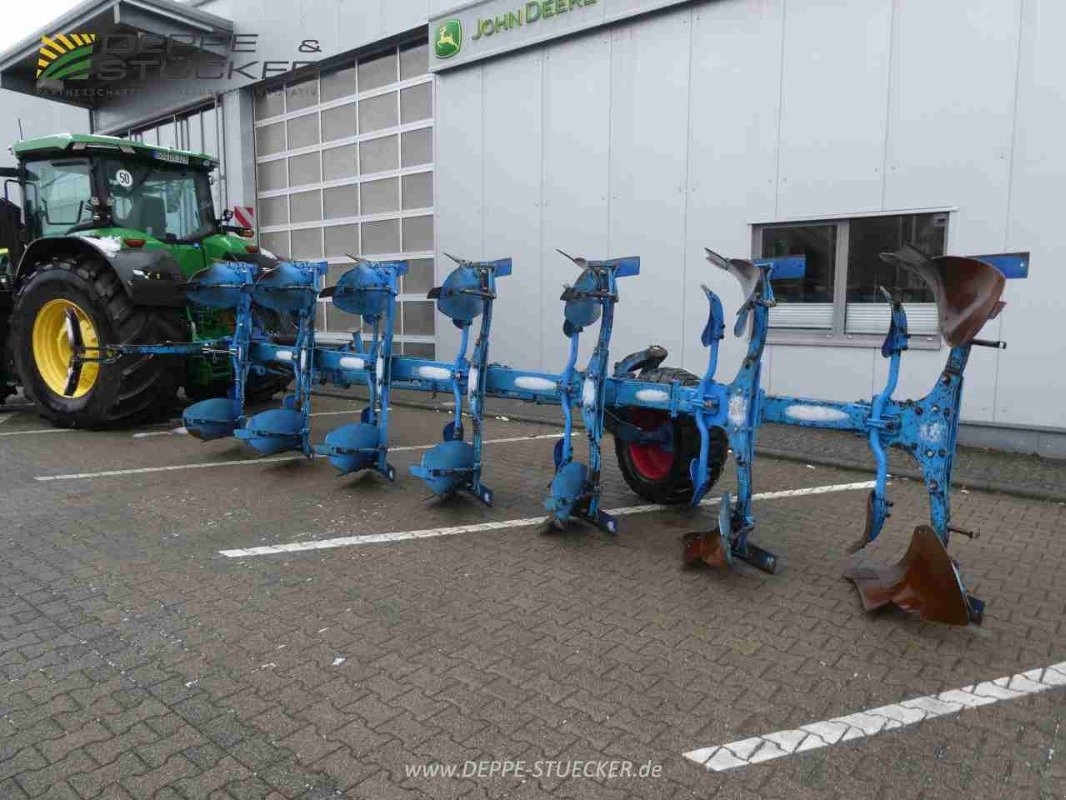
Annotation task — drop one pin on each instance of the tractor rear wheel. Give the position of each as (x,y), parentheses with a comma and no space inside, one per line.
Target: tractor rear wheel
(86,290)
(7,369)
(656,473)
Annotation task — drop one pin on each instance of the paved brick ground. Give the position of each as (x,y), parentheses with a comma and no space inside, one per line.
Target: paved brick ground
(135,661)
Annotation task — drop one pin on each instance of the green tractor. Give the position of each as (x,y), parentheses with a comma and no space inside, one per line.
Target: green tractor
(109,233)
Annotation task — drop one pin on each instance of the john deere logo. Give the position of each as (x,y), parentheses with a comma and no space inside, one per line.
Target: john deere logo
(449,38)
(65,56)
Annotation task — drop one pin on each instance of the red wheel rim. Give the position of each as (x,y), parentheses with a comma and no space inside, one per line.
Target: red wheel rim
(652,461)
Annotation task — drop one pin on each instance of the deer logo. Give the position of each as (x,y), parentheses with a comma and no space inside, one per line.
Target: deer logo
(449,38)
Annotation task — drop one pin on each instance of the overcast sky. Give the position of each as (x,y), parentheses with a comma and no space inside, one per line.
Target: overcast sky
(26,17)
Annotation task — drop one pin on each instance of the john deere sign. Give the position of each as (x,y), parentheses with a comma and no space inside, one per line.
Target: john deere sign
(532,12)
(448,39)
(488,28)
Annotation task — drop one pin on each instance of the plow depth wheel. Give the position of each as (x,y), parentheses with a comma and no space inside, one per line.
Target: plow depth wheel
(656,472)
(653,462)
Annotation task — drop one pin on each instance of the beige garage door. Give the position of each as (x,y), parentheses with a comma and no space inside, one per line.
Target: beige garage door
(344,166)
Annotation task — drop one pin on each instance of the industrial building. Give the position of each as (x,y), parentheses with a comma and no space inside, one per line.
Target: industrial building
(631,127)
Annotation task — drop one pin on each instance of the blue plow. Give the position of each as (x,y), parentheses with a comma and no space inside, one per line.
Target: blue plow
(224,285)
(288,288)
(467,293)
(575,489)
(369,291)
(679,432)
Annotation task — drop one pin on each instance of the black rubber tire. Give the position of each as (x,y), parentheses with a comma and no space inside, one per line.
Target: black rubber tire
(7,367)
(135,387)
(675,487)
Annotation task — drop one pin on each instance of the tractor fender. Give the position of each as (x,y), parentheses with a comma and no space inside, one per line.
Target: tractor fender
(150,277)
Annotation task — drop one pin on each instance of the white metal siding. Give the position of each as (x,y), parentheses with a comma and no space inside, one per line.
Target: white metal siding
(648,146)
(574,190)
(511,119)
(1030,387)
(833,89)
(732,150)
(26,117)
(679,130)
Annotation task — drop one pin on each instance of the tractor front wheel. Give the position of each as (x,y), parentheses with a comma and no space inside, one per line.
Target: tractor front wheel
(659,473)
(85,292)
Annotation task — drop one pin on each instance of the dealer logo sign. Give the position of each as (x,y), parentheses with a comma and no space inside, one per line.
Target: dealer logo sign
(449,38)
(65,56)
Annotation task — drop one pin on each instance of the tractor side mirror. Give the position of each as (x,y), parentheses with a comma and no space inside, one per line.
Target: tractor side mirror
(8,184)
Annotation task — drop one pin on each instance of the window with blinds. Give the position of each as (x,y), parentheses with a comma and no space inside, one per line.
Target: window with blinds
(839,296)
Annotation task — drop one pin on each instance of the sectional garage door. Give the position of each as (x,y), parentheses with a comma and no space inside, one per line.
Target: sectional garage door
(344,166)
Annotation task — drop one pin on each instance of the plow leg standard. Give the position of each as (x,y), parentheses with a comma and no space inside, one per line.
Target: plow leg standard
(651,411)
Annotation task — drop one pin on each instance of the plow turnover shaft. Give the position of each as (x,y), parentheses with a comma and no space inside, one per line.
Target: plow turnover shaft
(927,582)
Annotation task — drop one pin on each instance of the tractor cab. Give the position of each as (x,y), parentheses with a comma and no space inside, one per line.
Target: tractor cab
(87,189)
(123,192)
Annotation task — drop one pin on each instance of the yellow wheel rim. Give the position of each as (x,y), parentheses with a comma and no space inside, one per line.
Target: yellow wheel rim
(52,350)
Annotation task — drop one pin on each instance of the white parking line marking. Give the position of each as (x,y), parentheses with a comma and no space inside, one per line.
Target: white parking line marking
(112,473)
(64,430)
(399,536)
(817,735)
(179,431)
(37,430)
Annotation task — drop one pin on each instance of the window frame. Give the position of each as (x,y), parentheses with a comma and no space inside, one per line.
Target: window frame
(836,335)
